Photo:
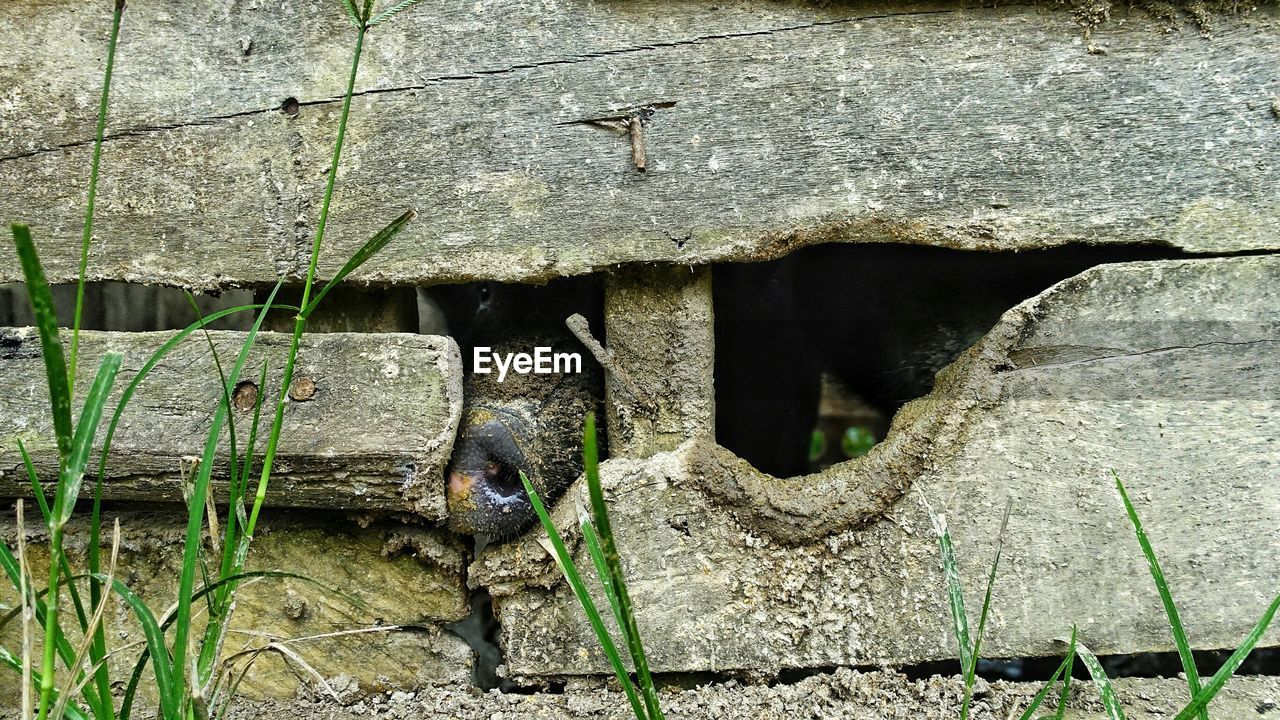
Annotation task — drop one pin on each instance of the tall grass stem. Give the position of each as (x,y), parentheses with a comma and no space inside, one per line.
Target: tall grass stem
(300,322)
(87,234)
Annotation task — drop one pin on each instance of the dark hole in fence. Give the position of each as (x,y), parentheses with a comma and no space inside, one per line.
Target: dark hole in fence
(1262,661)
(126,307)
(480,631)
(816,351)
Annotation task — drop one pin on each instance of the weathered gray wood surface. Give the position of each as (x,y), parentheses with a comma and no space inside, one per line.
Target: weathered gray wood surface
(375,434)
(661,339)
(1167,372)
(399,576)
(791,124)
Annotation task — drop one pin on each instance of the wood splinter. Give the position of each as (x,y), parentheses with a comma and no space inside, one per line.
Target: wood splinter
(630,122)
(636,129)
(577,324)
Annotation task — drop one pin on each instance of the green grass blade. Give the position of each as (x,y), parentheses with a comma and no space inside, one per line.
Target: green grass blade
(226,391)
(160,661)
(95,544)
(220,605)
(1066,681)
(609,548)
(955,592)
(300,322)
(565,560)
(242,488)
(47,514)
(352,12)
(38,491)
(1063,667)
(1220,678)
(1170,609)
(236,516)
(971,670)
(1105,691)
(9,563)
(70,478)
(391,12)
(14,662)
(592,540)
(55,363)
(191,555)
(131,688)
(150,365)
(372,247)
(87,233)
(94,408)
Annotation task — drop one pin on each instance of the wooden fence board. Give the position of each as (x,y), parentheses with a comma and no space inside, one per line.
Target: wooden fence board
(1167,372)
(376,433)
(967,128)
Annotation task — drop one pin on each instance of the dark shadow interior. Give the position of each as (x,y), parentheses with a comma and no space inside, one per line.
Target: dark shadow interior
(836,338)
(126,307)
(490,312)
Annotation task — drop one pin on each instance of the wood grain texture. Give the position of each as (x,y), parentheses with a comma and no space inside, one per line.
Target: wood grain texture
(661,340)
(376,433)
(792,124)
(1167,372)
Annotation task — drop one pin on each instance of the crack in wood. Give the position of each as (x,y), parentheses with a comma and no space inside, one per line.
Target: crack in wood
(475,75)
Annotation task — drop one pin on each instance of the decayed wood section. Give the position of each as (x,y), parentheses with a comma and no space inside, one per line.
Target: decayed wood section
(374,432)
(769,128)
(1166,372)
(406,580)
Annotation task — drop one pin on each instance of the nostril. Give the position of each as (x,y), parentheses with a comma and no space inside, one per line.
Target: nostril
(504,478)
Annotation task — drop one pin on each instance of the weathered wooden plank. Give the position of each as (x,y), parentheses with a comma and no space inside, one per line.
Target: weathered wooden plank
(375,433)
(398,576)
(1167,372)
(277,50)
(965,128)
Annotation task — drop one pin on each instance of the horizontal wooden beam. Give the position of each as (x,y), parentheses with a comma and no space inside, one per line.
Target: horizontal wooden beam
(763,130)
(1165,372)
(373,429)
